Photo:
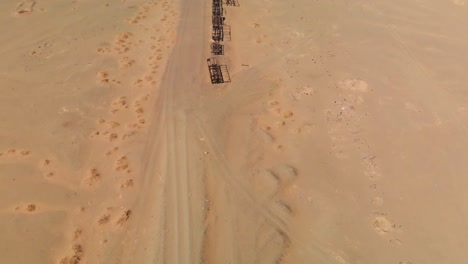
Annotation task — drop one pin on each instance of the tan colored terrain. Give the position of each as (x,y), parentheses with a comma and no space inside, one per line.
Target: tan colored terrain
(78,82)
(341,138)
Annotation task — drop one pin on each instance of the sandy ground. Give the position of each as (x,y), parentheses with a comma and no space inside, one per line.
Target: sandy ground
(78,79)
(341,138)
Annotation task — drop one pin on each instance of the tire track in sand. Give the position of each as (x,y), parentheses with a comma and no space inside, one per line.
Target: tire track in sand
(178,237)
(177,220)
(170,231)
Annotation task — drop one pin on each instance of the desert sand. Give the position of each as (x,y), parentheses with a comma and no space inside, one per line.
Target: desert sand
(341,138)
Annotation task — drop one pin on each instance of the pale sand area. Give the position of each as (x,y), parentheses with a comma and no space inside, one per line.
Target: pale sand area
(341,138)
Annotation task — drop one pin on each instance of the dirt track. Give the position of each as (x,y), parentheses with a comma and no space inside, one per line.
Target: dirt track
(176,237)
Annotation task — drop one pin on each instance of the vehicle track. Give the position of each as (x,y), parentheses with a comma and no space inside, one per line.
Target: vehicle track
(273,219)
(178,240)
(166,232)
